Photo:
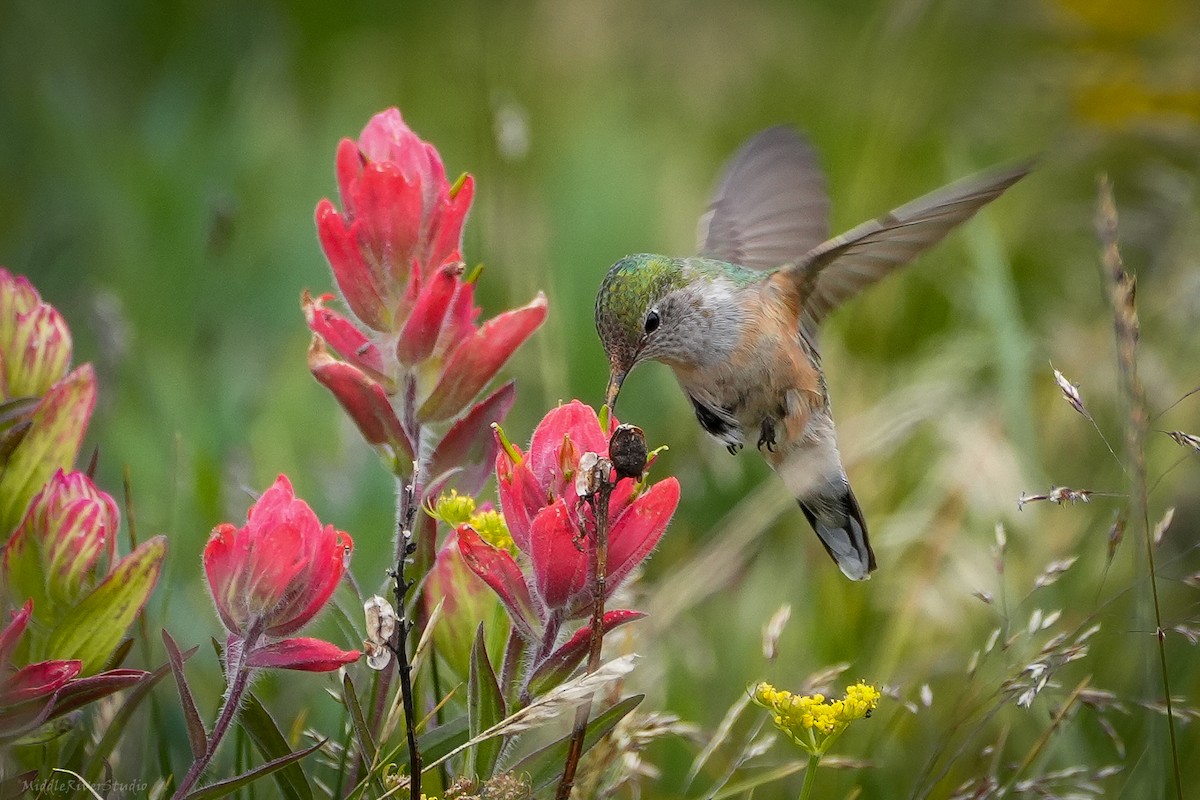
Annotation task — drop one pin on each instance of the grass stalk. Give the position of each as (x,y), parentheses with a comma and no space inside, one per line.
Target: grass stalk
(1122,289)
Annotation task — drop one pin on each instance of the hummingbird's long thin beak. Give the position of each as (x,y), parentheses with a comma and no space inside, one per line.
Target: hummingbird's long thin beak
(615,378)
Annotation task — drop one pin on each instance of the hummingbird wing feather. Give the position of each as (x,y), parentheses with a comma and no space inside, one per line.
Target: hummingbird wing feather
(770,205)
(838,269)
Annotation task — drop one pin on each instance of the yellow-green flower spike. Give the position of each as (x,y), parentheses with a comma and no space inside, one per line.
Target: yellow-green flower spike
(453,509)
(491,528)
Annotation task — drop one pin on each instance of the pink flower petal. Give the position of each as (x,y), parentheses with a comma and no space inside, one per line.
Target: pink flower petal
(421,329)
(446,233)
(389,212)
(221,555)
(348,165)
(499,571)
(460,320)
(309,655)
(560,567)
(343,337)
(635,533)
(15,628)
(478,359)
(573,421)
(386,137)
(360,285)
(37,680)
(363,400)
(520,498)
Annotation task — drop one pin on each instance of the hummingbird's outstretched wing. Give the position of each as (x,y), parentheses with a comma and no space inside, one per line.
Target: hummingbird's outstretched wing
(770,206)
(838,269)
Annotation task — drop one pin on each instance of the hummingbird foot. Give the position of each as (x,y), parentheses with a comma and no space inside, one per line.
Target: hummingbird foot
(734,448)
(766,434)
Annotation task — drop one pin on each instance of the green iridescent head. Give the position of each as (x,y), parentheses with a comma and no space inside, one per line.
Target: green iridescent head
(630,313)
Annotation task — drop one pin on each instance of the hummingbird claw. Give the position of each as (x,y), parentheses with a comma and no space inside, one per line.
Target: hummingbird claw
(767,435)
(734,448)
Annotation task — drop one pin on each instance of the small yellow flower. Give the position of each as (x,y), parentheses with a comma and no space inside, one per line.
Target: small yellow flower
(491,528)
(810,721)
(453,509)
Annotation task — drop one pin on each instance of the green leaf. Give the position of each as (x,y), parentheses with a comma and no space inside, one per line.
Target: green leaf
(222,788)
(439,741)
(117,725)
(93,628)
(120,654)
(271,744)
(544,766)
(52,442)
(770,776)
(197,736)
(366,742)
(485,708)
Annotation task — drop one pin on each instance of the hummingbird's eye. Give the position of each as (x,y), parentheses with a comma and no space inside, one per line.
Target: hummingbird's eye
(652,321)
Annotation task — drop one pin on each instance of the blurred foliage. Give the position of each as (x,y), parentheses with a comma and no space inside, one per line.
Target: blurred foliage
(160,164)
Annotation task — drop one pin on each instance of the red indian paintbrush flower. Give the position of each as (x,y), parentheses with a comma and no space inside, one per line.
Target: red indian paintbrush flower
(547,518)
(56,547)
(46,408)
(36,680)
(36,693)
(395,251)
(35,345)
(272,576)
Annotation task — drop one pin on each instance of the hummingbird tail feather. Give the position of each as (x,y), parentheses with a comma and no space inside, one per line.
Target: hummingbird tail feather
(838,521)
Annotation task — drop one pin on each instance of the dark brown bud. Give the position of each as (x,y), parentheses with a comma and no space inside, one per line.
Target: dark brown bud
(627,450)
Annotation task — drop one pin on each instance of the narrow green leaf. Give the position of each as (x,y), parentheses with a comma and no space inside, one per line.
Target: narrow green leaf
(93,629)
(118,724)
(222,788)
(485,707)
(120,654)
(197,736)
(362,731)
(439,741)
(52,442)
(271,744)
(770,776)
(544,766)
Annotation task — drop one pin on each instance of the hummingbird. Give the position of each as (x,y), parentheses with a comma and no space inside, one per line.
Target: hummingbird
(738,323)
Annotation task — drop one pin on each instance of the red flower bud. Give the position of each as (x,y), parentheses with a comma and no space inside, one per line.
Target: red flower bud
(68,525)
(279,570)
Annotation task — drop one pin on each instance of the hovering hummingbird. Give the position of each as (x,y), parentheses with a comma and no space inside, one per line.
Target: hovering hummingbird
(738,323)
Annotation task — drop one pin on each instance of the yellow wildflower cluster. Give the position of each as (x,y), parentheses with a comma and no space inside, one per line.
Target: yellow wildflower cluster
(810,720)
(455,509)
(491,528)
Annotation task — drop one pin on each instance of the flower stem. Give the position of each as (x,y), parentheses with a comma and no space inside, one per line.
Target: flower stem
(406,513)
(239,681)
(599,552)
(810,775)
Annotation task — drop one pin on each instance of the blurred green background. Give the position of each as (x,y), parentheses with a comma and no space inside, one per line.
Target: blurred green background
(159,167)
